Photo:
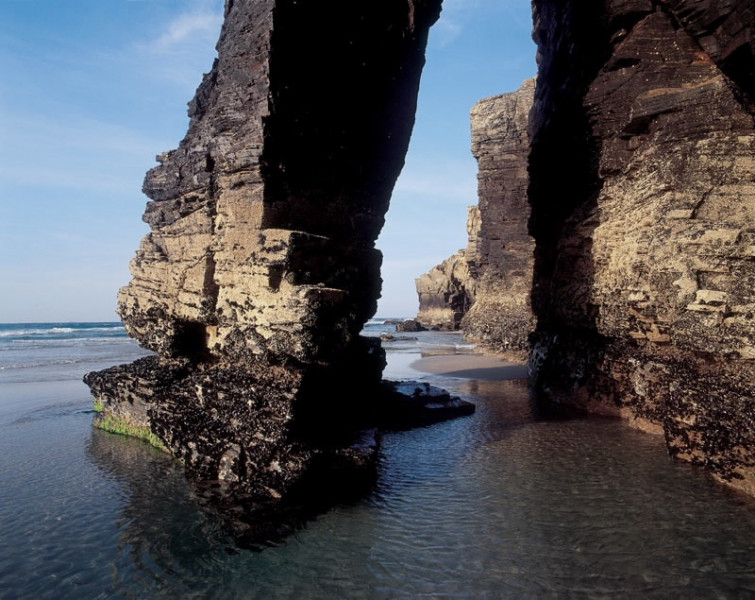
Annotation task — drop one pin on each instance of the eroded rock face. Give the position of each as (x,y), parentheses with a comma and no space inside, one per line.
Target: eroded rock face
(264,219)
(485,288)
(501,316)
(447,290)
(643,200)
(260,269)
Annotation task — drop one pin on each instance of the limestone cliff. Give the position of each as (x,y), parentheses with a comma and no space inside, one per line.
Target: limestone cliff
(485,288)
(501,316)
(643,210)
(260,269)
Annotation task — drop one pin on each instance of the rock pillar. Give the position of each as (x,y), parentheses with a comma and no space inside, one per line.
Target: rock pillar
(260,268)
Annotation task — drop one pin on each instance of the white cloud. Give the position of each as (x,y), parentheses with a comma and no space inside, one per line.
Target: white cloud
(458,15)
(188,27)
(440,179)
(457,189)
(84,154)
(453,18)
(181,49)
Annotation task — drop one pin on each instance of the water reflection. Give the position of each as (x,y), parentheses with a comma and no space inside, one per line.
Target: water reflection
(164,537)
(512,502)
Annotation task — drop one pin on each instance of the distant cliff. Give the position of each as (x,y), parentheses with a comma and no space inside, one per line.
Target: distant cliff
(447,291)
(485,289)
(501,316)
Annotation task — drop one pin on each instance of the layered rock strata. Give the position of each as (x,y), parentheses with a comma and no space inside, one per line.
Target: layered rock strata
(485,288)
(501,316)
(643,210)
(260,268)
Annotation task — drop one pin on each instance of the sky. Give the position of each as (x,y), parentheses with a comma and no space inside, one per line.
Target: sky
(93,90)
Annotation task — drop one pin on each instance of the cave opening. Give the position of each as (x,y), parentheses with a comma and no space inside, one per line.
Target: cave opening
(190,341)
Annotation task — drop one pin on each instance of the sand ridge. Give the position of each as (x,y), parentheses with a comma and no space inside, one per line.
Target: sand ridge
(471,366)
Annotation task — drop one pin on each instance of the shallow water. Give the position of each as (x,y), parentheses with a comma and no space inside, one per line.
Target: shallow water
(508,503)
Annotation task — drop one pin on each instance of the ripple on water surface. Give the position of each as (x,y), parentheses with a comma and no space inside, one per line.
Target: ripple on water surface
(507,503)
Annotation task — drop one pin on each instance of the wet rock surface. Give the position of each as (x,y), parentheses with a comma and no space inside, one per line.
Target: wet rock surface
(643,205)
(413,404)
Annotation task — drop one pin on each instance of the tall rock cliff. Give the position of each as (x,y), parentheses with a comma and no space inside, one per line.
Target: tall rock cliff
(260,269)
(643,210)
(501,316)
(485,288)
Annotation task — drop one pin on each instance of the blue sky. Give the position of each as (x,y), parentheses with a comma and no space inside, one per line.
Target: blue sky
(94,89)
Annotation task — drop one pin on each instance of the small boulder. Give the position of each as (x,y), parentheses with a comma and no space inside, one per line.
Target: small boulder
(410,325)
(409,404)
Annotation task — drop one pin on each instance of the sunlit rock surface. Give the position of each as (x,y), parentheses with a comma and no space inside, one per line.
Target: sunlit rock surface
(501,316)
(447,290)
(260,269)
(643,210)
(484,289)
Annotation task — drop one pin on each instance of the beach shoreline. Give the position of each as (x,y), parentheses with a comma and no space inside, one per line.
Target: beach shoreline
(471,366)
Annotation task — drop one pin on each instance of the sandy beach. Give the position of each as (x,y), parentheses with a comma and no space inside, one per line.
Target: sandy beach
(471,366)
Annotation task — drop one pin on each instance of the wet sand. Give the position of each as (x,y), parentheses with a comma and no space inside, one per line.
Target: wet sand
(471,366)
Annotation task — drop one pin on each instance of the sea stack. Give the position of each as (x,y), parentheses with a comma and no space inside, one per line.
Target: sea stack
(642,188)
(447,291)
(484,289)
(501,316)
(260,269)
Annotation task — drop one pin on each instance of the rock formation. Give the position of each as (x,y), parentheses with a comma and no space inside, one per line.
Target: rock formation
(260,270)
(501,316)
(485,288)
(447,290)
(643,210)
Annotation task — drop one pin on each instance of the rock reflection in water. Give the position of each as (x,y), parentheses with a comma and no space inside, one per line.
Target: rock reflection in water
(511,502)
(164,536)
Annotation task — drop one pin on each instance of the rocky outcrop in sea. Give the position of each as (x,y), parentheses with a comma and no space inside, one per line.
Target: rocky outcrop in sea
(260,269)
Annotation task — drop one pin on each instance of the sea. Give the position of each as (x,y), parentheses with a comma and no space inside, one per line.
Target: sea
(511,502)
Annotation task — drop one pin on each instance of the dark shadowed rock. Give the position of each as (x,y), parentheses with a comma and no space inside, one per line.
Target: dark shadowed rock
(410,404)
(410,325)
(643,206)
(260,269)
